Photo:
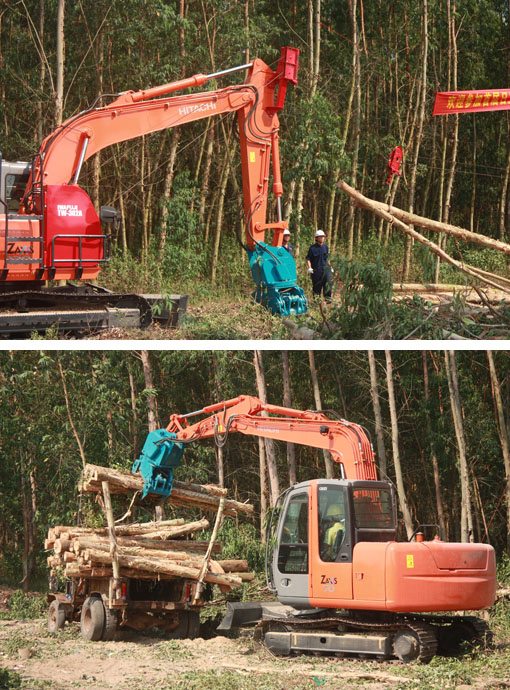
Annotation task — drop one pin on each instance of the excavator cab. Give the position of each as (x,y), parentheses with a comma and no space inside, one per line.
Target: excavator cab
(13,180)
(321,522)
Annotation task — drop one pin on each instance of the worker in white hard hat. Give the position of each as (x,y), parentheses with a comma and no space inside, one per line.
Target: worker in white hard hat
(286,242)
(319,266)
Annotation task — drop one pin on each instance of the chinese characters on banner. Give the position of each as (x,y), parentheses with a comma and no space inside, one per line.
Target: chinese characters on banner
(449,102)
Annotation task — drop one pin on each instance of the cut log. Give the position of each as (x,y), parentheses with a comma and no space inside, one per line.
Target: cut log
(187,545)
(427,223)
(234,565)
(188,528)
(387,213)
(159,566)
(183,494)
(82,544)
(133,529)
(62,545)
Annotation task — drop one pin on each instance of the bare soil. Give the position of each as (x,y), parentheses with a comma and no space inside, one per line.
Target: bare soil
(137,661)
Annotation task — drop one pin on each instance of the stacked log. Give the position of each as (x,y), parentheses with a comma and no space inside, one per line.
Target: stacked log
(187,495)
(152,550)
(86,552)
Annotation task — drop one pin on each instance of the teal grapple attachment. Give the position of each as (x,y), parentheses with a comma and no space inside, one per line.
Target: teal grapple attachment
(160,455)
(274,272)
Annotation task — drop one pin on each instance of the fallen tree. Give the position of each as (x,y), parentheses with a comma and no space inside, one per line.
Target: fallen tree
(404,221)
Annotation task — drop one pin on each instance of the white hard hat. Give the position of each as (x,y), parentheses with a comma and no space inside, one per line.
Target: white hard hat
(320,233)
(286,232)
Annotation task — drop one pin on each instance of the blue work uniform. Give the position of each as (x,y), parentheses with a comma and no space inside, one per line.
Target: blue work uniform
(321,276)
(289,248)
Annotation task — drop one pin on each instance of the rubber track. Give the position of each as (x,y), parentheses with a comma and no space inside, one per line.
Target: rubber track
(426,633)
(75,300)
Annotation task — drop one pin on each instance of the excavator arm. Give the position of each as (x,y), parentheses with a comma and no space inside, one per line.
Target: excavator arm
(136,113)
(348,443)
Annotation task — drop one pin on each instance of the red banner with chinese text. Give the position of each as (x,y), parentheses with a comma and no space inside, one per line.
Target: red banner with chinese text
(449,102)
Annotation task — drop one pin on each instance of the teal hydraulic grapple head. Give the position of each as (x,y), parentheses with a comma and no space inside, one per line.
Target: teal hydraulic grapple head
(160,455)
(274,272)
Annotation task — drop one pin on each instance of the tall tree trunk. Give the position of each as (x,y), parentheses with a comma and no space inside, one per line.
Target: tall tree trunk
(503,437)
(357,122)
(287,402)
(328,462)
(466,520)
(134,422)
(42,77)
(402,496)
(69,414)
(29,503)
(419,133)
(268,443)
(379,428)
(175,139)
(219,217)
(263,490)
(60,55)
(452,68)
(503,204)
(152,403)
(433,456)
(219,396)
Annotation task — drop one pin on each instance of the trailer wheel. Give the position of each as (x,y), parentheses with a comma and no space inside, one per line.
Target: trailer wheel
(92,621)
(56,617)
(110,623)
(193,624)
(189,626)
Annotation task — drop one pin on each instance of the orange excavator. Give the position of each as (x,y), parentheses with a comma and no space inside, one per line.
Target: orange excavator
(49,228)
(344,583)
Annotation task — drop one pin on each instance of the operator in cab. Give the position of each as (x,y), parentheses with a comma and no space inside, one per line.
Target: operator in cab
(319,266)
(332,529)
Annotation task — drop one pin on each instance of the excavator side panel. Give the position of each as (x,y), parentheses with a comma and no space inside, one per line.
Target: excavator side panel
(437,576)
(73,232)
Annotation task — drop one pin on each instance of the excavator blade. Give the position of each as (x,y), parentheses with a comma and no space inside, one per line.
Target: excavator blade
(274,272)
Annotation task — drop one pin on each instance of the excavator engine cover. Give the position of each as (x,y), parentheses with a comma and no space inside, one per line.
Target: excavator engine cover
(274,272)
(159,457)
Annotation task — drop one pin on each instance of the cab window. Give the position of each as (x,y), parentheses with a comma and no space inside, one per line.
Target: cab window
(332,522)
(293,551)
(14,190)
(373,509)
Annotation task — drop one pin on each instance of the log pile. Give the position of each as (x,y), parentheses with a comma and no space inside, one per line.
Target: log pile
(187,495)
(152,550)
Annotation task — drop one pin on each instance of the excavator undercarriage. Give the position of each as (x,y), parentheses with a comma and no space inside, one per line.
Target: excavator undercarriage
(409,637)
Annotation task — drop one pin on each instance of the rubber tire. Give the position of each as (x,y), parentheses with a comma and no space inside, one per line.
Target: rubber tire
(56,617)
(188,628)
(110,623)
(92,620)
(193,624)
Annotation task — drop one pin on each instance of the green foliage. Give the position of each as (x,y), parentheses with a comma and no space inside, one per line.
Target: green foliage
(184,256)
(504,570)
(365,299)
(242,540)
(23,606)
(230,680)
(9,680)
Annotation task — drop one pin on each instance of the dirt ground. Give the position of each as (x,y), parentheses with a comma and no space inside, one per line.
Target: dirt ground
(137,661)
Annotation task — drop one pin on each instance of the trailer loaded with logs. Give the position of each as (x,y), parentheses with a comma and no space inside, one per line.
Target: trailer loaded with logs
(140,575)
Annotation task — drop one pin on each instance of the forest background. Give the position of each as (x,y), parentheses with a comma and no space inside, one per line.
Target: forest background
(367,79)
(439,422)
